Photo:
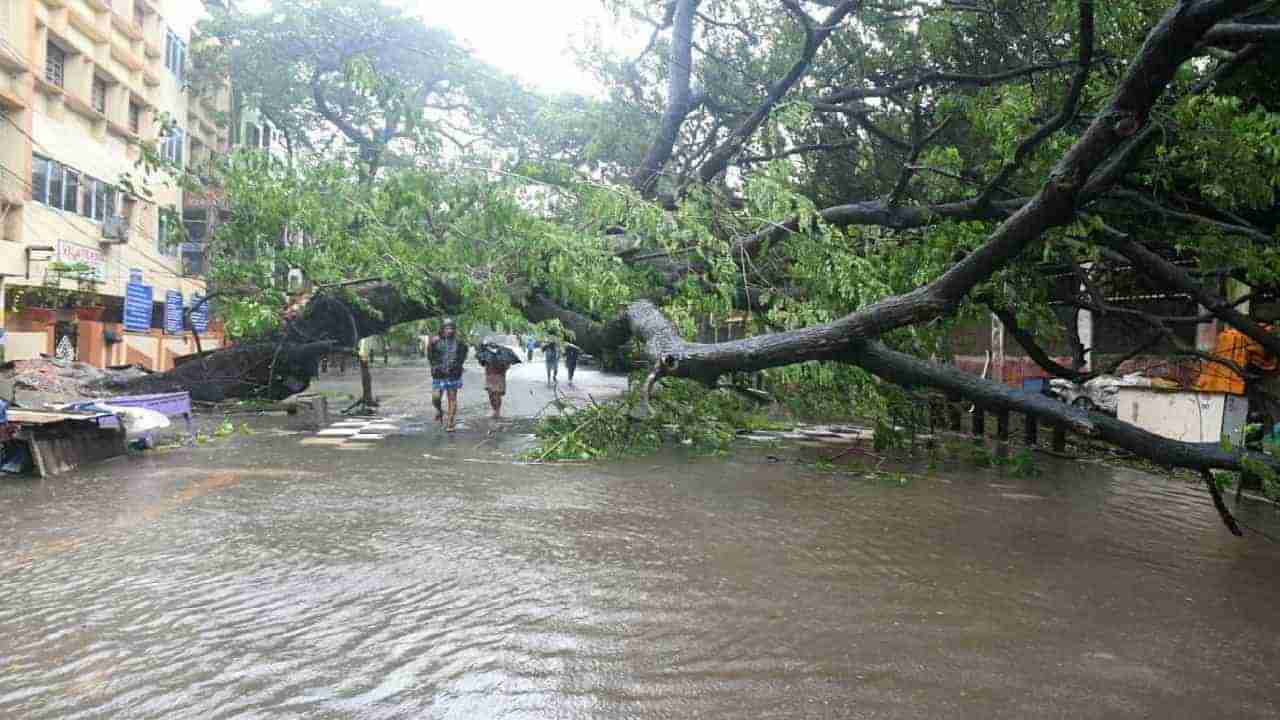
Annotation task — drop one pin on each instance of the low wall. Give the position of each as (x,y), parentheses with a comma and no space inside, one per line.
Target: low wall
(1018,368)
(31,334)
(26,345)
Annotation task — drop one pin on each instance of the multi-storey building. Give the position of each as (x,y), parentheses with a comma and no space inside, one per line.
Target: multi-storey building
(85,85)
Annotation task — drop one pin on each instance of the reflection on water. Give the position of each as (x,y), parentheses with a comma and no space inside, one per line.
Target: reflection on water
(286,583)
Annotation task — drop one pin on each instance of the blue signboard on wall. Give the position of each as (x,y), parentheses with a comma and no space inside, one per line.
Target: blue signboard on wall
(173,312)
(199,313)
(137,307)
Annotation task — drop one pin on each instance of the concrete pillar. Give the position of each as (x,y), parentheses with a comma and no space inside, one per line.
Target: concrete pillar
(997,350)
(1206,332)
(1084,328)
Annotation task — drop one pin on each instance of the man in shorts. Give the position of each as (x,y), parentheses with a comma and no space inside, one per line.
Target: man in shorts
(495,377)
(446,353)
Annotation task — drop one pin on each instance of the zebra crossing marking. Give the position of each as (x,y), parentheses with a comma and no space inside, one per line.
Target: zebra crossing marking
(353,434)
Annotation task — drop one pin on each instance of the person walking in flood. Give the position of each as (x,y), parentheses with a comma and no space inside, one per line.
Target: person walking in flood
(496,361)
(529,345)
(571,353)
(446,353)
(551,355)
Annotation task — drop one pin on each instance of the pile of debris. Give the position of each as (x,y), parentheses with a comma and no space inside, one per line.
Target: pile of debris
(55,378)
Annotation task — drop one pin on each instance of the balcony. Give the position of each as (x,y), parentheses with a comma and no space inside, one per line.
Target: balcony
(99,5)
(127,27)
(10,101)
(126,57)
(11,61)
(83,108)
(86,26)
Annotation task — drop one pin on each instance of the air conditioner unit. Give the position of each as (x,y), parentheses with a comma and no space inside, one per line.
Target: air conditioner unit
(115,230)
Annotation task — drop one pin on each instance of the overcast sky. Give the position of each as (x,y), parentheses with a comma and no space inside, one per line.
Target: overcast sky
(530,38)
(527,38)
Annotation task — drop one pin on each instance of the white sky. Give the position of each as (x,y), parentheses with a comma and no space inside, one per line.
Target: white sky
(531,38)
(527,38)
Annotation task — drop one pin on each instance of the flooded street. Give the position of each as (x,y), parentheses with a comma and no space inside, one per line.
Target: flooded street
(425,576)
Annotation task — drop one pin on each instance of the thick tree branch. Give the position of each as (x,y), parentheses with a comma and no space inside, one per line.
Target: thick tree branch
(1171,276)
(906,370)
(679,100)
(1034,351)
(1243,33)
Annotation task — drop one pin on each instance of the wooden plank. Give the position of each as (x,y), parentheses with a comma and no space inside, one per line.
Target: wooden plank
(46,417)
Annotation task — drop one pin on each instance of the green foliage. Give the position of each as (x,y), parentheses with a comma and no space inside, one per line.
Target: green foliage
(683,413)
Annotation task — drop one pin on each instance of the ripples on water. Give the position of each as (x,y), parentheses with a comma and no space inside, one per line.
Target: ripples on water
(384,585)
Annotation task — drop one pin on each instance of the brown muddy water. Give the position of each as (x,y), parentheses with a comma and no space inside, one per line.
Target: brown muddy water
(429,577)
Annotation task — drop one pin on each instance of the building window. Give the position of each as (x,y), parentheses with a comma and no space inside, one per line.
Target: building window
(99,95)
(59,186)
(55,64)
(55,185)
(99,200)
(255,136)
(165,240)
(266,136)
(135,117)
(41,170)
(174,145)
(71,190)
(175,55)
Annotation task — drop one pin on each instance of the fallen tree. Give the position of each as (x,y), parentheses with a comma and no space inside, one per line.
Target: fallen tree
(1071,168)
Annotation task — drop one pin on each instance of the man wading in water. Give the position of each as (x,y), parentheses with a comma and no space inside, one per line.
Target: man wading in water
(551,355)
(446,354)
(571,353)
(495,375)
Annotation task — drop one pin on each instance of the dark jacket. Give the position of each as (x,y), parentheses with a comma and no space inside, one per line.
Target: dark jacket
(442,366)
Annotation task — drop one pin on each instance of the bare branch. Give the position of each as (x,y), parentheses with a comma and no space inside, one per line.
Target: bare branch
(1225,227)
(1064,116)
(908,169)
(802,149)
(1171,276)
(814,39)
(935,78)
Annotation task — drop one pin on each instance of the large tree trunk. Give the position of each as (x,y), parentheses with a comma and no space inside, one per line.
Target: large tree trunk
(284,364)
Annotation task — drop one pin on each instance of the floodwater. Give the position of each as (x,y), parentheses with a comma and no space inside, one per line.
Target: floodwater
(429,577)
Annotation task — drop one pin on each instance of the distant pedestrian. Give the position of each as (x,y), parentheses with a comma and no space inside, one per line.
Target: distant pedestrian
(571,353)
(446,354)
(495,374)
(551,355)
(529,346)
